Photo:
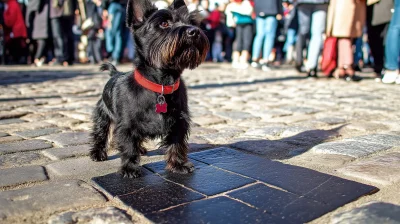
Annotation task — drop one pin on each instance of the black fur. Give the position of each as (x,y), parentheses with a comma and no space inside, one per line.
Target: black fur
(125,116)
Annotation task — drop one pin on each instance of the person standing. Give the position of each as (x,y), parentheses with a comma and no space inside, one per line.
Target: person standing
(268,13)
(346,21)
(37,20)
(392,49)
(312,21)
(114,34)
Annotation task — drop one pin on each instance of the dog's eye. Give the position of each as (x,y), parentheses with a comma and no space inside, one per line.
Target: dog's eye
(164,24)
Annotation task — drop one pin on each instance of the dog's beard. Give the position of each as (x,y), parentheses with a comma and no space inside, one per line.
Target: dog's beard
(178,52)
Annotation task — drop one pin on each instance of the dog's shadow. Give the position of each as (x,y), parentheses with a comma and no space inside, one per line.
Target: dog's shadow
(279,149)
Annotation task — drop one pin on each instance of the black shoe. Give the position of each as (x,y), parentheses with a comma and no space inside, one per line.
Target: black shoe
(354,78)
(312,73)
(301,68)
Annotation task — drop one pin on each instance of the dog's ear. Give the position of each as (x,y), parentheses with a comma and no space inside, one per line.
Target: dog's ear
(178,3)
(136,12)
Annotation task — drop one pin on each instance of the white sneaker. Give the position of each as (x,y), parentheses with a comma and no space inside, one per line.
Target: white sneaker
(398,80)
(389,77)
(265,68)
(243,65)
(255,64)
(235,64)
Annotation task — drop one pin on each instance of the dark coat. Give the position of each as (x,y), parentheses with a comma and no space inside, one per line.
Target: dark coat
(268,8)
(91,12)
(38,18)
(381,13)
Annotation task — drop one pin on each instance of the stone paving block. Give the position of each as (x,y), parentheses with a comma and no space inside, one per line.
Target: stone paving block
(310,138)
(208,120)
(108,215)
(22,159)
(27,145)
(2,134)
(370,213)
(11,121)
(68,138)
(67,152)
(20,175)
(382,139)
(354,149)
(288,206)
(294,179)
(82,167)
(205,179)
(37,132)
(331,120)
(215,210)
(11,114)
(25,126)
(10,139)
(264,132)
(324,160)
(384,169)
(261,146)
(236,115)
(47,198)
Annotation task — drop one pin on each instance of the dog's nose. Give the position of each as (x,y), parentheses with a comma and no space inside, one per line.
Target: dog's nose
(192,31)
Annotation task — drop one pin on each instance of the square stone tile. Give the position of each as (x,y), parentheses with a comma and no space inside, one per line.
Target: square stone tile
(20,175)
(383,139)
(161,194)
(292,178)
(285,205)
(38,132)
(205,179)
(338,191)
(215,210)
(67,152)
(22,146)
(351,148)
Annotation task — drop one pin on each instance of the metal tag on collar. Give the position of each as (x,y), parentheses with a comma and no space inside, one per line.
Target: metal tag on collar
(161,106)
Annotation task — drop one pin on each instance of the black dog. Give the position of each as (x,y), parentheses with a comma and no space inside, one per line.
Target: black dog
(151,102)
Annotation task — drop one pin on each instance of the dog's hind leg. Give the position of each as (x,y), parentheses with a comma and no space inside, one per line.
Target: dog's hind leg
(100,133)
(177,148)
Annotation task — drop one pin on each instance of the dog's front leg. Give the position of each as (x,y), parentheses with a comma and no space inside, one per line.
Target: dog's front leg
(129,146)
(177,148)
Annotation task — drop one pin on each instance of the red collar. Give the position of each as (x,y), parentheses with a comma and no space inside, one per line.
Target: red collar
(154,86)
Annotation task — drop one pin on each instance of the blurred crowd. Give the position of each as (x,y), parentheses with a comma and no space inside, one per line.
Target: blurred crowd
(260,33)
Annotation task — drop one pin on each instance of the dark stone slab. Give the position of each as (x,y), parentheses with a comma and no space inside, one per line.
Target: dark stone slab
(145,194)
(11,121)
(215,210)
(68,138)
(287,206)
(295,179)
(38,132)
(370,213)
(21,146)
(337,191)
(261,146)
(205,179)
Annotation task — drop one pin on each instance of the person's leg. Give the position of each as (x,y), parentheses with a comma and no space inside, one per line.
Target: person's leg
(304,18)
(41,46)
(346,60)
(57,40)
(318,21)
(258,39)
(97,50)
(271,23)
(69,50)
(392,48)
(246,44)
(117,24)
(358,54)
(237,48)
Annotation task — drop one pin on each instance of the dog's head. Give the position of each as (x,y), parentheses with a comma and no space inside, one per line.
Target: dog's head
(167,38)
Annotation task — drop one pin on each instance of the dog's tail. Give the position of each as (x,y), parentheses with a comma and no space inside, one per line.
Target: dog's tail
(109,67)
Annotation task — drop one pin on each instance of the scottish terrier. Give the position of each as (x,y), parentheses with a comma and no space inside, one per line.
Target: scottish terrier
(151,101)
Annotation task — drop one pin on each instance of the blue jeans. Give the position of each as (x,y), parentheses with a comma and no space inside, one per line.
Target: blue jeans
(266,31)
(392,49)
(290,39)
(312,18)
(114,33)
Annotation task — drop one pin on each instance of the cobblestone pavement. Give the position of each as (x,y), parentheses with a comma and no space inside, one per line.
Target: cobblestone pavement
(347,130)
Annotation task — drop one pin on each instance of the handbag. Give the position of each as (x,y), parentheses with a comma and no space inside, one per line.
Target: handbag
(329,56)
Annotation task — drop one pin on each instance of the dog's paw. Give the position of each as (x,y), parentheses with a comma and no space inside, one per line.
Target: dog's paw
(98,156)
(130,172)
(185,168)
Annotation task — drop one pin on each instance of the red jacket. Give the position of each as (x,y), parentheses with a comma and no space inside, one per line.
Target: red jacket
(14,20)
